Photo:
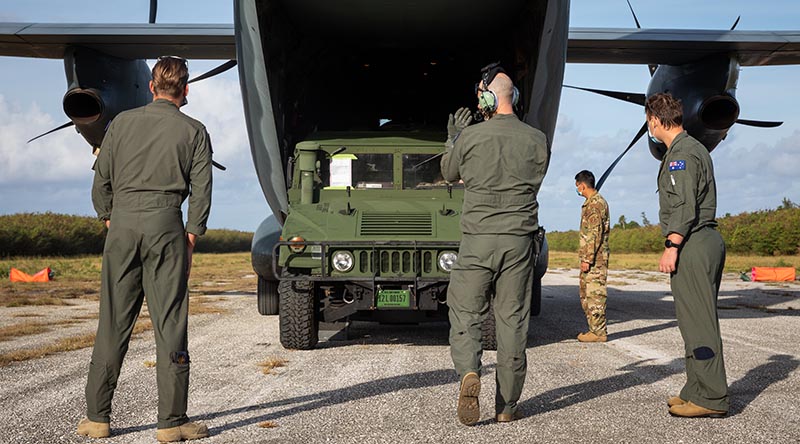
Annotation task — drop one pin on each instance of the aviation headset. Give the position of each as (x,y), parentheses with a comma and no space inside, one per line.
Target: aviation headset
(487,99)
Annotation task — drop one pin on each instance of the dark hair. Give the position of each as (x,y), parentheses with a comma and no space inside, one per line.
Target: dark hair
(585,177)
(170,76)
(666,108)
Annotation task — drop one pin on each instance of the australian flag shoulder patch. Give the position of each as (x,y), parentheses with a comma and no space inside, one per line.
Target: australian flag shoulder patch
(677,165)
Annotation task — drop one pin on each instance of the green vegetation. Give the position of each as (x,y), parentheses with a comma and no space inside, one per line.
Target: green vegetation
(50,234)
(765,233)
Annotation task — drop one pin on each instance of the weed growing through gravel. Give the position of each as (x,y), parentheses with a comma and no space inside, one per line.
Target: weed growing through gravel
(272,363)
(149,364)
(268,424)
(30,328)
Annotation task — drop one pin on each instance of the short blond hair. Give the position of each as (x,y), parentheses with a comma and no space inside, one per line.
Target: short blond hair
(170,76)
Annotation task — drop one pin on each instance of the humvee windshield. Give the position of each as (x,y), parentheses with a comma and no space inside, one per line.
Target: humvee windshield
(362,171)
(375,171)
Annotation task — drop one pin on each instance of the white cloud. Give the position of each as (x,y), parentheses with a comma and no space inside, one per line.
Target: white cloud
(58,157)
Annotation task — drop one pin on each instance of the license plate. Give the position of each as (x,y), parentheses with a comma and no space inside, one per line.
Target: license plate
(394,298)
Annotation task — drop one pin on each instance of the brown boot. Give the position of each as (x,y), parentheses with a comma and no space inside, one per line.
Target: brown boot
(93,429)
(692,410)
(507,417)
(675,400)
(469,410)
(592,337)
(190,430)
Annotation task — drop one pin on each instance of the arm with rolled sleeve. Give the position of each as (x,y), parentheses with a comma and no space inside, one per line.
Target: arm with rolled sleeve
(200,182)
(682,197)
(102,193)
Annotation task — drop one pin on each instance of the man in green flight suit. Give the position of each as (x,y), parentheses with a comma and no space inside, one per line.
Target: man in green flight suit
(593,255)
(694,255)
(502,163)
(151,159)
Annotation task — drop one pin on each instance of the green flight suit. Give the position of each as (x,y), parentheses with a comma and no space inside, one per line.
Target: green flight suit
(688,203)
(151,159)
(594,250)
(502,162)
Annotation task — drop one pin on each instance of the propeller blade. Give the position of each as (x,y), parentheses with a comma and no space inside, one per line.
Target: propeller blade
(758,123)
(634,15)
(735,23)
(636,138)
(66,125)
(218,165)
(153,10)
(218,70)
(635,98)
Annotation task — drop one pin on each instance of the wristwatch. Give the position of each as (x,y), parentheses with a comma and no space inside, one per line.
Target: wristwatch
(669,244)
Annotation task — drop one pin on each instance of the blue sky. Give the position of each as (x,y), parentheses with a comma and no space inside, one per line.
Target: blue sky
(755,168)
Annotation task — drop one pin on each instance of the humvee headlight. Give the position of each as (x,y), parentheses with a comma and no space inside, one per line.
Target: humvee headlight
(342,261)
(446,260)
(297,245)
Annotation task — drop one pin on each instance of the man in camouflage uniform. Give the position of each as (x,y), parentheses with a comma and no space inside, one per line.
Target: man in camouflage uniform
(593,254)
(694,256)
(502,162)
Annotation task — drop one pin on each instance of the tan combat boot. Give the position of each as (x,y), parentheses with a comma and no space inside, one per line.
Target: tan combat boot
(591,337)
(675,400)
(190,430)
(692,410)
(87,427)
(507,417)
(469,410)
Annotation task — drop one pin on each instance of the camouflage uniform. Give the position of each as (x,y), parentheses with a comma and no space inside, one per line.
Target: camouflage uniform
(594,250)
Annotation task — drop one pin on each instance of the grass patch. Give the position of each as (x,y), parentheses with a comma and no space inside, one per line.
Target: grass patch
(268,424)
(63,345)
(201,305)
(271,363)
(149,364)
(30,328)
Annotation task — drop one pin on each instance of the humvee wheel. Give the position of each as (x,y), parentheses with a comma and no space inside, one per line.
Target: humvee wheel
(489,330)
(267,297)
(299,326)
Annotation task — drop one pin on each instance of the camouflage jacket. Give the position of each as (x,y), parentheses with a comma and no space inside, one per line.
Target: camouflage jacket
(594,231)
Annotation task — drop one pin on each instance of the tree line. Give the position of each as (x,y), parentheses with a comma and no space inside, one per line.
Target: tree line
(51,234)
(766,233)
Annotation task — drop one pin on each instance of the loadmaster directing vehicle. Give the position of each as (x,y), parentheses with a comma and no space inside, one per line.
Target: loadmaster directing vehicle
(371,234)
(344,104)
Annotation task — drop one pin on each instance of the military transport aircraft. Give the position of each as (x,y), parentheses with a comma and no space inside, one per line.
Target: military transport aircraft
(307,66)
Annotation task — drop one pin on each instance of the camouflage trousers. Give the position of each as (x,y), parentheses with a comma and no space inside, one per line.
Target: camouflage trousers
(593,297)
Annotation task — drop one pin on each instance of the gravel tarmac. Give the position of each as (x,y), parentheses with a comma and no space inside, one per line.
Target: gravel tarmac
(395,384)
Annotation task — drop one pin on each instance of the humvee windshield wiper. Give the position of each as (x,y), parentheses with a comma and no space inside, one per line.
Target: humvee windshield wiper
(426,160)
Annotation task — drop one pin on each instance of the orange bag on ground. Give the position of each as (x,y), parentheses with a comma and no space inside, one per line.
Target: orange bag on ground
(773,274)
(19,276)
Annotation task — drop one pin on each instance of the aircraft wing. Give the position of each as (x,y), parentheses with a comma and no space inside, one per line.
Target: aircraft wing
(128,41)
(679,46)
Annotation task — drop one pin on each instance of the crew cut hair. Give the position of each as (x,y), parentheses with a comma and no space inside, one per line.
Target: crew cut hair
(666,108)
(585,177)
(170,75)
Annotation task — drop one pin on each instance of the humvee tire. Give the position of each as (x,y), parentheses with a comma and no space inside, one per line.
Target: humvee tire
(299,325)
(489,330)
(267,297)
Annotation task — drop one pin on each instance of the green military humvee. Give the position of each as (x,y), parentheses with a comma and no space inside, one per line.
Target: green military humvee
(371,234)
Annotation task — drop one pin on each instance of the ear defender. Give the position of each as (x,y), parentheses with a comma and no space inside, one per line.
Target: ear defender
(487,100)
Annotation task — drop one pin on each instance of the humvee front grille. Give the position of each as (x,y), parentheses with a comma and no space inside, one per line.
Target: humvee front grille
(393,261)
(396,224)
